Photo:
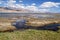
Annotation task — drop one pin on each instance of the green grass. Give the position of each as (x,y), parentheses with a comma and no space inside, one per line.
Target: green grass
(30,34)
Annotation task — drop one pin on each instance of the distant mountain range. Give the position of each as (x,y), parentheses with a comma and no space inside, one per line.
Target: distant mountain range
(17,10)
(13,10)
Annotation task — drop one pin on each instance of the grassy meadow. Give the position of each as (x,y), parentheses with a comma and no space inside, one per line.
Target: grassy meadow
(30,34)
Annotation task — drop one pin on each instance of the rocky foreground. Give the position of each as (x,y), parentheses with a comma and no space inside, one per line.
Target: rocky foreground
(9,25)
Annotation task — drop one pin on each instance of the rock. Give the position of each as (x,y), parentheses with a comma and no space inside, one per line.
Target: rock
(20,23)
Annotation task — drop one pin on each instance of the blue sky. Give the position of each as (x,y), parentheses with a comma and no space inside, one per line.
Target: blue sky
(33,5)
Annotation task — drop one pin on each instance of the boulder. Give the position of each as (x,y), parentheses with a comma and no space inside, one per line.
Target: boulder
(19,24)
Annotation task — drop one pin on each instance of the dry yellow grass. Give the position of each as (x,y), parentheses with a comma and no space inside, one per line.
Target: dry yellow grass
(37,22)
(5,24)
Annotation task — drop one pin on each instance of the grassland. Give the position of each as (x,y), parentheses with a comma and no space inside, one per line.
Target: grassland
(28,34)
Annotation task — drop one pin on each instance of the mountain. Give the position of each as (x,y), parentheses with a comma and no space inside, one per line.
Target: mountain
(13,10)
(19,10)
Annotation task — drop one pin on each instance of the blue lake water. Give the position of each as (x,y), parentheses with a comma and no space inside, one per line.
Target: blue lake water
(38,15)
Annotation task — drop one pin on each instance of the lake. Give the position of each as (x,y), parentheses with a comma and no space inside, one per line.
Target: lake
(36,15)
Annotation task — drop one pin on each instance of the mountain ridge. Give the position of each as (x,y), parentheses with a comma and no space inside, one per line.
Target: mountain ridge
(13,10)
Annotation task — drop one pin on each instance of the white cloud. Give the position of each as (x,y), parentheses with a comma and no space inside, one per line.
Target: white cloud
(44,7)
(11,3)
(49,5)
(33,4)
(32,8)
(20,1)
(0,3)
(19,6)
(44,10)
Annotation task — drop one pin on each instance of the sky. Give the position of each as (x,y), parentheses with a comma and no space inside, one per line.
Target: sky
(33,5)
